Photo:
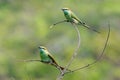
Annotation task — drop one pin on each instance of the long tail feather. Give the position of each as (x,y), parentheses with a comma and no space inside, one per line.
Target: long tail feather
(84,24)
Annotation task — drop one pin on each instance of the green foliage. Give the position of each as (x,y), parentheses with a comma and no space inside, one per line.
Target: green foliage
(24,25)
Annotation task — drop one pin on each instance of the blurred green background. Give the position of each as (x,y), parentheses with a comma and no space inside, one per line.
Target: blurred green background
(24,25)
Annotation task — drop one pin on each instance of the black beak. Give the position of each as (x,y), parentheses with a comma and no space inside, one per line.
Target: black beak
(39,47)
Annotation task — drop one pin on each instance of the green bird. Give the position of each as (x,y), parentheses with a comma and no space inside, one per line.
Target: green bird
(71,17)
(46,57)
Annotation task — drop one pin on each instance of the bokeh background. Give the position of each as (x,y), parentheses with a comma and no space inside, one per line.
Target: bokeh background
(24,25)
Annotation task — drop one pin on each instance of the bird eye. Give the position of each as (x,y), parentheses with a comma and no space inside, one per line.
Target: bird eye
(43,48)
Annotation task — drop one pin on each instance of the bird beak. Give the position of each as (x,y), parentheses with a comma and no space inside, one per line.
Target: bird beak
(39,47)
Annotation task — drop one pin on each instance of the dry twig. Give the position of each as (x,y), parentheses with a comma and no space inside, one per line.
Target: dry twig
(90,64)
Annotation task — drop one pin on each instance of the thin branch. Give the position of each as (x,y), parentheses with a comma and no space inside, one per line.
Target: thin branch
(107,38)
(73,56)
(53,64)
(58,23)
(31,60)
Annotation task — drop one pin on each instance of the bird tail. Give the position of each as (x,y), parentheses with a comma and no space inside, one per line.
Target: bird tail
(84,24)
(59,67)
(62,68)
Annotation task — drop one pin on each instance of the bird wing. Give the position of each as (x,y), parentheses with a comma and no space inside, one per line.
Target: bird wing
(53,60)
(51,57)
(75,17)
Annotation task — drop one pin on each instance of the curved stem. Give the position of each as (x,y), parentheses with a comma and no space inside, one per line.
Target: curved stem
(107,38)
(73,56)
(76,49)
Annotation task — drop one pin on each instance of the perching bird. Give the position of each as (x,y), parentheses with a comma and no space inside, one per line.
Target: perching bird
(71,17)
(46,57)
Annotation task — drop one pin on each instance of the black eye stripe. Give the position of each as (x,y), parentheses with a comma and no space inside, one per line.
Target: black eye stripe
(43,48)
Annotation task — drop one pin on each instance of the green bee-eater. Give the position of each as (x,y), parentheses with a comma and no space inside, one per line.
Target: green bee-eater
(71,17)
(46,57)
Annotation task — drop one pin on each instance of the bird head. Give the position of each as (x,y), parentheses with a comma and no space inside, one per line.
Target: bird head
(65,9)
(42,48)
